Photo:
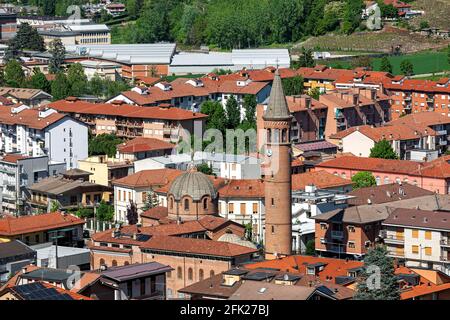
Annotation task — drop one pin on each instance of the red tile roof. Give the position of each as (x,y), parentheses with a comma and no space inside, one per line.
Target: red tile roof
(148,178)
(388,132)
(28,117)
(196,246)
(125,110)
(141,144)
(155,213)
(417,85)
(321,179)
(10,226)
(246,188)
(13,157)
(439,168)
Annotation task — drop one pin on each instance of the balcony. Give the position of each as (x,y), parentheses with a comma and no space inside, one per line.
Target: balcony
(337,234)
(443,142)
(445,242)
(430,100)
(394,239)
(441,132)
(336,249)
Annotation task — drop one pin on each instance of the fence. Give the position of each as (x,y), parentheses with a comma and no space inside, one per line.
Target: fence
(96,225)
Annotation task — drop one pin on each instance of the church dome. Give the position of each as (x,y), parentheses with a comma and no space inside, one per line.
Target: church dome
(193,184)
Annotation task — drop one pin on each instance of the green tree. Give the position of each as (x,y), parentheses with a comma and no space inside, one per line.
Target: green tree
(383,150)
(310,248)
(14,75)
(250,111)
(448,54)
(315,93)
(77,79)
(28,38)
(306,58)
(58,52)
(293,86)
(233,113)
(363,179)
(105,212)
(386,65)
(103,144)
(54,206)
(385,287)
(39,81)
(205,168)
(362,62)
(151,200)
(60,87)
(424,24)
(387,10)
(407,67)
(351,16)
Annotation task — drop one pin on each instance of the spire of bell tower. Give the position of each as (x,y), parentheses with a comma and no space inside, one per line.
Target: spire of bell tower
(277,108)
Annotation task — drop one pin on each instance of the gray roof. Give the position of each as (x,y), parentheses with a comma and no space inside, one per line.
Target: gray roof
(419,219)
(60,185)
(134,271)
(194,184)
(13,249)
(255,290)
(277,108)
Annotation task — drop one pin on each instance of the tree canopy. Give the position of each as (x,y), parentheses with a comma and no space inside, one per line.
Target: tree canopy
(407,67)
(383,150)
(14,75)
(363,179)
(386,66)
(58,52)
(104,144)
(377,280)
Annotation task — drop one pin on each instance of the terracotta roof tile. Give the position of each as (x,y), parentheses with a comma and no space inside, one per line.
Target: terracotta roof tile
(149,178)
(321,179)
(141,144)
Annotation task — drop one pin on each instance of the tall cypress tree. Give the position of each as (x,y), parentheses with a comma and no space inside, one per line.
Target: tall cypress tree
(233,113)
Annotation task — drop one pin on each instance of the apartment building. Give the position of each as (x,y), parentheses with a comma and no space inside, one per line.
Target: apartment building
(127,121)
(355,107)
(418,237)
(68,191)
(404,140)
(414,95)
(104,170)
(432,175)
(35,133)
(17,172)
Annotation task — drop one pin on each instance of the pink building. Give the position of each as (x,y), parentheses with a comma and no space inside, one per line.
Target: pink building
(433,175)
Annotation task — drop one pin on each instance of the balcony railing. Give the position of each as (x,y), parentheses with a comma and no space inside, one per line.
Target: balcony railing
(441,132)
(390,238)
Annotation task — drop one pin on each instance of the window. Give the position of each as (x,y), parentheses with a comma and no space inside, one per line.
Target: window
(231,208)
(200,274)
(351,229)
(142,287)
(179,273)
(273,201)
(273,229)
(428,251)
(205,204)
(144,196)
(102,262)
(36,239)
(186,204)
(211,273)
(190,274)
(351,244)
(415,249)
(114,263)
(415,234)
(428,235)
(171,203)
(255,208)
(323,226)
(242,208)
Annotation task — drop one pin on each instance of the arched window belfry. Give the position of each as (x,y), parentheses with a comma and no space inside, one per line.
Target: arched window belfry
(186,204)
(276,135)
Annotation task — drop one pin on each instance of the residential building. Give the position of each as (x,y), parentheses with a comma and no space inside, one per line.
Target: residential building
(13,256)
(354,107)
(37,133)
(323,180)
(43,228)
(438,123)
(126,121)
(115,9)
(432,175)
(69,190)
(30,97)
(142,148)
(405,140)
(386,193)
(104,70)
(104,170)
(419,237)
(17,173)
(415,95)
(135,188)
(308,204)
(348,232)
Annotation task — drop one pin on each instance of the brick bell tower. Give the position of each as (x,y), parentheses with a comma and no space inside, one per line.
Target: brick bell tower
(277,174)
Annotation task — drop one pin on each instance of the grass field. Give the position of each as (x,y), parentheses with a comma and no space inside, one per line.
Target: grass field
(424,62)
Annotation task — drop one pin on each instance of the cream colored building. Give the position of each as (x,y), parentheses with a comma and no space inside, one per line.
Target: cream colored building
(421,238)
(72,34)
(104,169)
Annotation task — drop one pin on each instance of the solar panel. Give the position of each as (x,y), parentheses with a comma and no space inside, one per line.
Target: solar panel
(325,290)
(37,291)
